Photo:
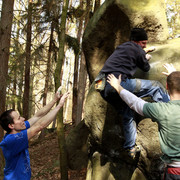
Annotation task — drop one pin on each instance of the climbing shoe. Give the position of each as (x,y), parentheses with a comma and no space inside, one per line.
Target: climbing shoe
(132,152)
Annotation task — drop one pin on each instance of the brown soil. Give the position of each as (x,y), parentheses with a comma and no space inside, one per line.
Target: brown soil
(44,155)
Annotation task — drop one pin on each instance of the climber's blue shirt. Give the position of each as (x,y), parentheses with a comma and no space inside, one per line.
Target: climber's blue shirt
(15,150)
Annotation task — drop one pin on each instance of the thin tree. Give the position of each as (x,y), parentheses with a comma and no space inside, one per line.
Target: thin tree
(47,73)
(27,63)
(20,69)
(60,125)
(75,107)
(83,69)
(97,5)
(5,35)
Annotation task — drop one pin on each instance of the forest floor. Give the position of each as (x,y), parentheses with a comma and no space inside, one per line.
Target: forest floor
(44,155)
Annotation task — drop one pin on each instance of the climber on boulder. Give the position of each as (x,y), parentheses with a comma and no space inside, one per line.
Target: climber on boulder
(125,60)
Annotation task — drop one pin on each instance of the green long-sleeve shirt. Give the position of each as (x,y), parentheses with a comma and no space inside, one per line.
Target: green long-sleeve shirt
(167,115)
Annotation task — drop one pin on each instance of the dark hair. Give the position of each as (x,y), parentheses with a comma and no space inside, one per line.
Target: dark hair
(173,82)
(138,34)
(6,119)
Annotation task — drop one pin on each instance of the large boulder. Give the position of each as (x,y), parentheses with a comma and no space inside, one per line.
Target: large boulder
(103,139)
(106,136)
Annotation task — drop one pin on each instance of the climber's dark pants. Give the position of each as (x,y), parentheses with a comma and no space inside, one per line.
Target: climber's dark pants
(141,88)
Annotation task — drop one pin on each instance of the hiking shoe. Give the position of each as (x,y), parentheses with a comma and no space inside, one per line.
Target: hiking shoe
(132,152)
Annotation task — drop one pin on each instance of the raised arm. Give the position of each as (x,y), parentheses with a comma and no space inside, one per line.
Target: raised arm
(133,101)
(45,120)
(43,111)
(130,99)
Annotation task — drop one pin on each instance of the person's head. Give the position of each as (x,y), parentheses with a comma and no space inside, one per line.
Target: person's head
(139,36)
(173,82)
(10,121)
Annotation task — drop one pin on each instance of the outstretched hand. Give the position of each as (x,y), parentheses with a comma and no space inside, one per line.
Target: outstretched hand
(63,99)
(58,94)
(150,49)
(170,68)
(148,57)
(114,82)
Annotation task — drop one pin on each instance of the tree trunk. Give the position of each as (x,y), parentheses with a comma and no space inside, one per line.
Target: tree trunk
(81,87)
(20,87)
(20,70)
(75,107)
(60,125)
(27,64)
(97,5)
(48,65)
(47,73)
(5,35)
(14,90)
(75,90)
(82,72)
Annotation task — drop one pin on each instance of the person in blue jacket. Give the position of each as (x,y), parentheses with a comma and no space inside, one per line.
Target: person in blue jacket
(16,141)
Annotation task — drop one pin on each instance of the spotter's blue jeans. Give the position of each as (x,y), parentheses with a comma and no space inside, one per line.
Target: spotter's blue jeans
(141,88)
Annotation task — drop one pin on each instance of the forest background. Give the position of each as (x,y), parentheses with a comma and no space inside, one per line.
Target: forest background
(41,49)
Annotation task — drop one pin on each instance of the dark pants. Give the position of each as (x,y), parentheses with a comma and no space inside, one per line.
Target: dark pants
(172,173)
(141,88)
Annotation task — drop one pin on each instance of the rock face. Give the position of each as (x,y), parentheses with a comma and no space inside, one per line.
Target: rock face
(109,27)
(107,158)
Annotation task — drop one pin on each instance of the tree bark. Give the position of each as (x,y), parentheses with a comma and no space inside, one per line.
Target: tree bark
(47,73)
(48,65)
(81,88)
(20,87)
(60,125)
(75,108)
(75,91)
(27,64)
(5,35)
(14,90)
(82,71)
(97,5)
